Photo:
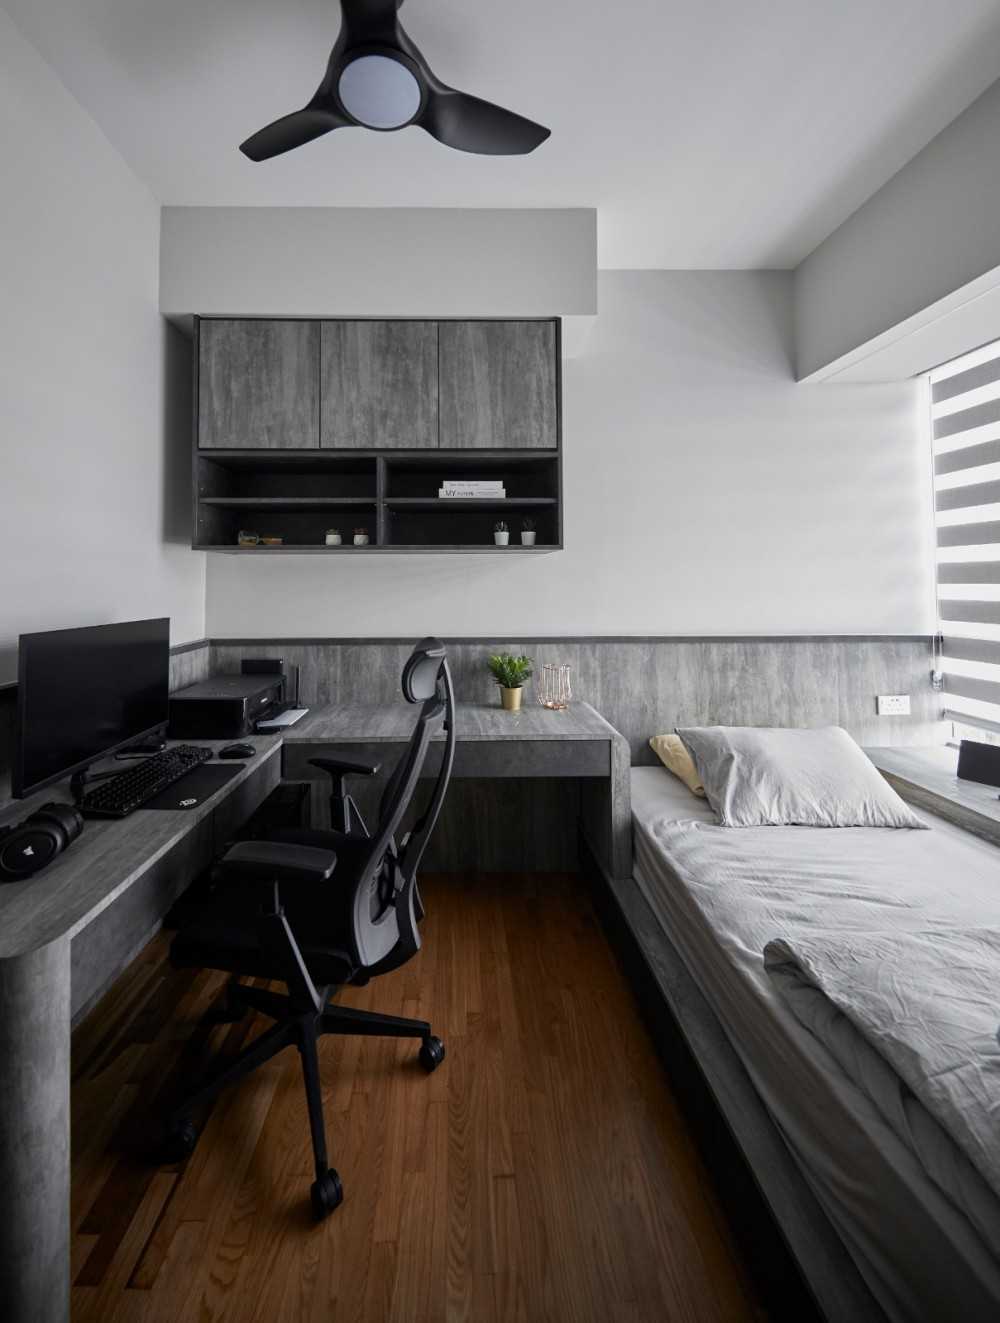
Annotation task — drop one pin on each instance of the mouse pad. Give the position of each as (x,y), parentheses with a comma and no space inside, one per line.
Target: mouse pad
(193,788)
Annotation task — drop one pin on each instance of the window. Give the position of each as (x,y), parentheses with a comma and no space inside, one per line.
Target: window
(965,415)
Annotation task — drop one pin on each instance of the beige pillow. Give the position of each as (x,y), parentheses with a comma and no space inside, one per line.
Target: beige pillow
(673,754)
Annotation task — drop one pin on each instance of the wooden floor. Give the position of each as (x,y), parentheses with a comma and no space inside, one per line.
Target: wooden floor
(541,1174)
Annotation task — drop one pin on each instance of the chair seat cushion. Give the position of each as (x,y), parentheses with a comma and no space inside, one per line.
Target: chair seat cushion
(221,932)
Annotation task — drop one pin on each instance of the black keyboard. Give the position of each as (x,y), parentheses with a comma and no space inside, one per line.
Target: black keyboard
(126,791)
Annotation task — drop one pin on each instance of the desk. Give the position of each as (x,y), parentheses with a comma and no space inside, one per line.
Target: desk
(59,933)
(576,743)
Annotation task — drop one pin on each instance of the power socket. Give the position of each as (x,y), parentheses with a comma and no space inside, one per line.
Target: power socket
(893,705)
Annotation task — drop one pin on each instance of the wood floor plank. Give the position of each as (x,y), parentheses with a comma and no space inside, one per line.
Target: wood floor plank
(542,1174)
(113,1295)
(179,1266)
(420,1292)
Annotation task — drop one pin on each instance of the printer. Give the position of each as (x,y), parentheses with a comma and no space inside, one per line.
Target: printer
(225,707)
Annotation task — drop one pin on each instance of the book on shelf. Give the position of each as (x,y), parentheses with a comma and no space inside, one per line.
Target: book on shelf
(467,492)
(494,487)
(448,485)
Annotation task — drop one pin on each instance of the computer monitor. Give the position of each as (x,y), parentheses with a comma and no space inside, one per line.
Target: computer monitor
(83,693)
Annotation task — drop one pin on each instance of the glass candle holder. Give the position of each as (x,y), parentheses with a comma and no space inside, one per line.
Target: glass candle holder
(553,687)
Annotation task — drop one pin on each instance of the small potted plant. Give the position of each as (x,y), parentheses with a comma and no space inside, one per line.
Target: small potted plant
(333,537)
(527,532)
(361,538)
(510,674)
(501,533)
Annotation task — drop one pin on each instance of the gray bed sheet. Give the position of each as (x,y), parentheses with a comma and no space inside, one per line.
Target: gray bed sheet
(928,1246)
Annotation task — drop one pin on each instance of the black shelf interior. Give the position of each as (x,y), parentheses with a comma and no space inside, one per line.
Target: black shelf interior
(462,528)
(527,475)
(495,503)
(393,496)
(271,503)
(220,526)
(276,474)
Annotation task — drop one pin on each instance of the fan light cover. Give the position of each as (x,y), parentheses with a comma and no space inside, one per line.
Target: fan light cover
(379,92)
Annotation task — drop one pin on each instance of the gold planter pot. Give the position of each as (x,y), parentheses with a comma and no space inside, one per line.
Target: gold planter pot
(510,699)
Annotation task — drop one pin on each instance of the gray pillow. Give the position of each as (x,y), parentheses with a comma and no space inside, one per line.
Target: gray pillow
(775,777)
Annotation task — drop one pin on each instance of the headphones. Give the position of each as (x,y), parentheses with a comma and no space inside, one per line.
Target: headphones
(28,847)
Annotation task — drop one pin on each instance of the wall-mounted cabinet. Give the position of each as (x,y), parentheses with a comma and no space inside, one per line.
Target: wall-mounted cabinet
(305,426)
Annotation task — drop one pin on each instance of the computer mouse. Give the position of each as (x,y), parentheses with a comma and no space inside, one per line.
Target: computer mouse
(237,751)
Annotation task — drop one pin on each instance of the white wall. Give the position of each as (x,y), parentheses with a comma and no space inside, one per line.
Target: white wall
(929,232)
(706,493)
(378,262)
(91,478)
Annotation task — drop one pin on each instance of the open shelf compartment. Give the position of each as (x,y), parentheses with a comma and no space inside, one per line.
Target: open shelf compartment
(466,529)
(527,476)
(274,475)
(220,526)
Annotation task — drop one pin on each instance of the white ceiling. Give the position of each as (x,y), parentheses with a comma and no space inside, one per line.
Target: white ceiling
(708,133)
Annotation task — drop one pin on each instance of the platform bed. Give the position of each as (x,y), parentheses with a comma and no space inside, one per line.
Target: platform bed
(802,1268)
(831,989)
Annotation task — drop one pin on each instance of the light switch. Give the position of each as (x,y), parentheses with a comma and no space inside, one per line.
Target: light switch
(893,705)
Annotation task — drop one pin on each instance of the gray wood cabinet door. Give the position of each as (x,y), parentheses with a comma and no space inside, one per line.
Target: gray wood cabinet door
(380,384)
(498,385)
(258,384)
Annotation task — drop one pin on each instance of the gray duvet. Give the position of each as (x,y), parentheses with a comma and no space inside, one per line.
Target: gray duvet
(923,1004)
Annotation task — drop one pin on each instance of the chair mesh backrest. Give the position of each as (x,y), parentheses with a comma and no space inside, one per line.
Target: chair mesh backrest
(426,680)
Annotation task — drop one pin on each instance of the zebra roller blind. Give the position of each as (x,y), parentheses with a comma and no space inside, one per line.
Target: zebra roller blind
(965,413)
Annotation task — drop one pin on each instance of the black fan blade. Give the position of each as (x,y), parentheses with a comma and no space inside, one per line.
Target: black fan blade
(470,125)
(291,131)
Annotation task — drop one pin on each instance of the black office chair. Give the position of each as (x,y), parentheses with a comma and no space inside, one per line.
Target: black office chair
(320,909)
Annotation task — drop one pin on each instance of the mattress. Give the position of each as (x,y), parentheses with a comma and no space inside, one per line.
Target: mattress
(927,1245)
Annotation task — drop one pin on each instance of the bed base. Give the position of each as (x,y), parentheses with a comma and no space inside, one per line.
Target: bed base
(793,1251)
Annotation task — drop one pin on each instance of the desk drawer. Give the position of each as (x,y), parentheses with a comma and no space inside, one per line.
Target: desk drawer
(480,759)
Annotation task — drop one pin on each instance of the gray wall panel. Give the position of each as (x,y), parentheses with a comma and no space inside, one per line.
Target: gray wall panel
(189,664)
(647,686)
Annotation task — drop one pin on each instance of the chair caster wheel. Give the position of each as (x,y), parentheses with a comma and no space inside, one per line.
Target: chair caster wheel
(179,1140)
(326,1194)
(431,1053)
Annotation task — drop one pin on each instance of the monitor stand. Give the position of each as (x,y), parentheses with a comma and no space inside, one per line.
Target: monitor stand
(144,748)
(151,744)
(79,781)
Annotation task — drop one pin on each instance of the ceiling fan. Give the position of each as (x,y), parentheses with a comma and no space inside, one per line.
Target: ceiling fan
(377,79)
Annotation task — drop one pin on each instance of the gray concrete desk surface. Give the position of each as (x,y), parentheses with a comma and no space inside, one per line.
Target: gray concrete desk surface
(59,936)
(108,858)
(575,743)
(927,778)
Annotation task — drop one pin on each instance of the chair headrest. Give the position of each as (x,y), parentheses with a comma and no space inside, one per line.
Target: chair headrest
(420,674)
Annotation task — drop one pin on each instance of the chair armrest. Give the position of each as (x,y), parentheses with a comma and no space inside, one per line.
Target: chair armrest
(277,861)
(337,766)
